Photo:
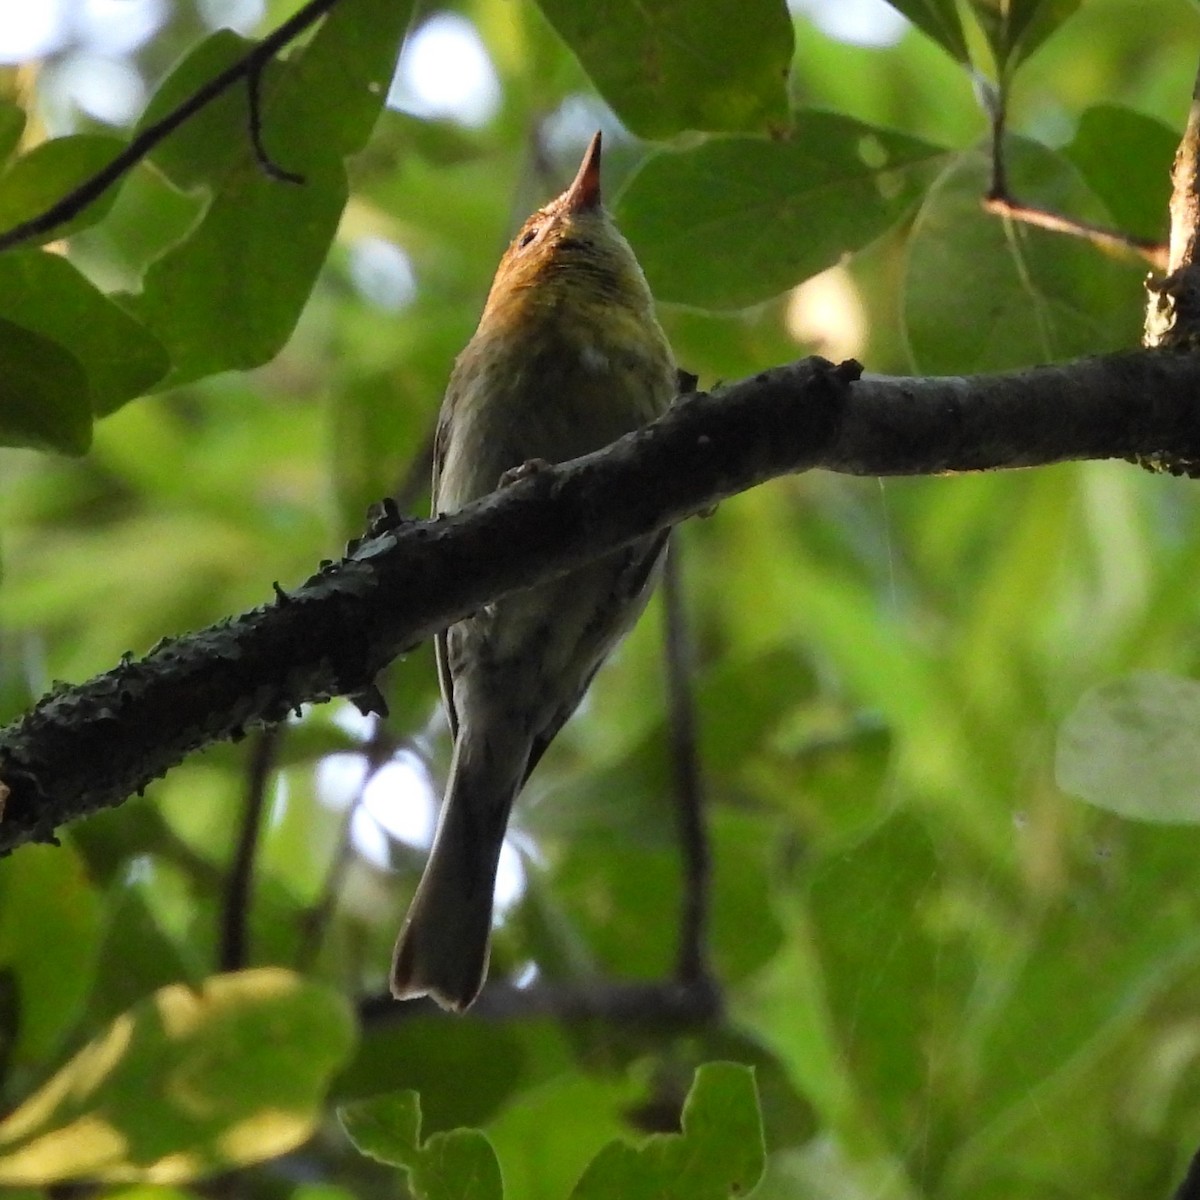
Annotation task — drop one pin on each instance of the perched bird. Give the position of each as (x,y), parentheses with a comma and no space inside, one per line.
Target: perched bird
(568,356)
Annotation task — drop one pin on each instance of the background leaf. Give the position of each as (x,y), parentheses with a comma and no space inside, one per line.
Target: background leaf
(643,58)
(736,220)
(1023,295)
(719,1153)
(1113,143)
(48,296)
(259,246)
(938,19)
(447,1165)
(44,396)
(1016,28)
(33,182)
(184,1084)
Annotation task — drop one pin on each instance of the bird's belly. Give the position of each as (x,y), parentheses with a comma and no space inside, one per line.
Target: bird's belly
(551,406)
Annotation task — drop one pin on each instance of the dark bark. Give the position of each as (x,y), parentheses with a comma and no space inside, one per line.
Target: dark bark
(87,747)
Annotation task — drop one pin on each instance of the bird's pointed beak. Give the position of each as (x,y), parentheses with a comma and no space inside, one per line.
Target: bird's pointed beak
(584,192)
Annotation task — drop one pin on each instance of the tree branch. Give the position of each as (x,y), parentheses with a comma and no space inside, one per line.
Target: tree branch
(87,747)
(672,1003)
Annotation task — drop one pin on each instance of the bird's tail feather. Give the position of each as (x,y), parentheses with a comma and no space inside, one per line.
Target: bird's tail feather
(443,946)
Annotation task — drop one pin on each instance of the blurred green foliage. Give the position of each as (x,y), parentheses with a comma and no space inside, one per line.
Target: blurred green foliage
(951,977)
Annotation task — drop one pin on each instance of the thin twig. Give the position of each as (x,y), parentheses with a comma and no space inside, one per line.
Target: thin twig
(92,188)
(688,785)
(1155,253)
(378,751)
(236,913)
(1000,202)
(672,1004)
(265,162)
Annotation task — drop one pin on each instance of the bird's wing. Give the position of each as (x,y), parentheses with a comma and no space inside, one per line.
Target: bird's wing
(440,440)
(630,582)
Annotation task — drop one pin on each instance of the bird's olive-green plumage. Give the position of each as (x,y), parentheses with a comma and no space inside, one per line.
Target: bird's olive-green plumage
(568,356)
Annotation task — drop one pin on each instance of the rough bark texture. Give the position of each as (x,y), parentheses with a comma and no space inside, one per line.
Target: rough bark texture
(90,746)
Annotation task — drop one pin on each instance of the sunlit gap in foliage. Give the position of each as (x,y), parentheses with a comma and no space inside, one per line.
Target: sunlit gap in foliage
(445,71)
(861,22)
(382,272)
(89,47)
(825,314)
(88,43)
(569,128)
(244,16)
(399,803)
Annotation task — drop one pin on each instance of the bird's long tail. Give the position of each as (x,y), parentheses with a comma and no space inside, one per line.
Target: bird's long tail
(442,950)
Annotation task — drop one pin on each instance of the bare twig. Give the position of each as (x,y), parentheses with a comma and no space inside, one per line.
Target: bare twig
(1000,201)
(236,913)
(265,162)
(377,751)
(1155,253)
(692,964)
(92,188)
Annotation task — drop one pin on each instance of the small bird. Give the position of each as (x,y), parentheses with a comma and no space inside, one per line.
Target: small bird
(568,356)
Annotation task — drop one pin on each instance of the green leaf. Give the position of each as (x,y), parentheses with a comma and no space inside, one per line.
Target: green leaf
(1126,159)
(229,295)
(894,984)
(460,1165)
(185,1083)
(984,294)
(1132,746)
(136,956)
(35,181)
(48,296)
(49,935)
(719,1154)
(938,19)
(736,220)
(670,65)
(1119,938)
(545,1138)
(1016,28)
(433,1056)
(12,125)
(43,394)
(211,142)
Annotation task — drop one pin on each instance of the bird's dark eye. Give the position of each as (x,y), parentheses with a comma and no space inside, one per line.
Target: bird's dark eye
(527,237)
